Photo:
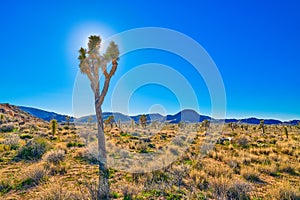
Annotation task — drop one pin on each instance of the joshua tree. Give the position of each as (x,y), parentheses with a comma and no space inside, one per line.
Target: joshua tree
(110,120)
(119,123)
(206,124)
(90,119)
(286,132)
(90,62)
(143,120)
(1,118)
(53,123)
(132,124)
(68,118)
(262,125)
(232,126)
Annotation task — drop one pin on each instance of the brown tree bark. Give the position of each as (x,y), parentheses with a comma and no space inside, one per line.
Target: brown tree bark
(103,187)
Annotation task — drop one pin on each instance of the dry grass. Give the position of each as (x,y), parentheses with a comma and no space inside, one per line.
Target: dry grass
(252,165)
(250,174)
(284,191)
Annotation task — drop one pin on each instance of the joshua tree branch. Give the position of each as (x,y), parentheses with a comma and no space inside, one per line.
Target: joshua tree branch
(107,80)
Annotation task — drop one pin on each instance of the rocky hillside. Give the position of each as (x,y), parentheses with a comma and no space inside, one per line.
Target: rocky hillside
(12,114)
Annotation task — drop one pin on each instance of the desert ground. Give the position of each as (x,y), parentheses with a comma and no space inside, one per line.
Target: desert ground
(42,160)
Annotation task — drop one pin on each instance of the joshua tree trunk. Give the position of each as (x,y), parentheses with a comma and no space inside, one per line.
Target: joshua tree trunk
(103,188)
(90,66)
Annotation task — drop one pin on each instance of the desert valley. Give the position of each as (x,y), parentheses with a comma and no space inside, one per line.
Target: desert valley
(55,158)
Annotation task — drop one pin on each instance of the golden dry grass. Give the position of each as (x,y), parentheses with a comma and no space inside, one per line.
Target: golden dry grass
(252,165)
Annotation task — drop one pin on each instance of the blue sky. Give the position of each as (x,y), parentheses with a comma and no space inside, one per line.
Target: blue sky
(254,44)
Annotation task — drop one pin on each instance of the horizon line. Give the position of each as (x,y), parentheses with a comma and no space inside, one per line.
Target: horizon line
(130,114)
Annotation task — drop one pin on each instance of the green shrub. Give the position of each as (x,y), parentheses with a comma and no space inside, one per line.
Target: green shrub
(75,144)
(5,187)
(125,134)
(7,128)
(34,149)
(115,195)
(26,136)
(33,177)
(250,174)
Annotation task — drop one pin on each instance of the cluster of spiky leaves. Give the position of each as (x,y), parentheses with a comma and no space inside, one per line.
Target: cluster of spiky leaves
(94,44)
(90,59)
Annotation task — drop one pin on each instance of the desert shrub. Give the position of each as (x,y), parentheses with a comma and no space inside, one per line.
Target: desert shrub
(216,155)
(75,144)
(33,150)
(217,171)
(26,136)
(54,156)
(34,176)
(142,147)
(12,141)
(239,190)
(5,186)
(128,192)
(179,172)
(4,147)
(57,190)
(250,174)
(178,141)
(220,187)
(242,141)
(199,178)
(271,170)
(54,169)
(224,188)
(284,191)
(288,168)
(89,154)
(234,165)
(7,128)
(288,151)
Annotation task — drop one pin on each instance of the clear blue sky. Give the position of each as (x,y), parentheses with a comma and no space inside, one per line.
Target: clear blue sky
(255,44)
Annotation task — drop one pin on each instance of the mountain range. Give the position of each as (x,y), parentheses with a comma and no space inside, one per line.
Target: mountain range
(186,115)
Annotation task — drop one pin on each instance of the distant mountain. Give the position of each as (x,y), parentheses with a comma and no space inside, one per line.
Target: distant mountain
(187,115)
(150,117)
(231,120)
(105,115)
(253,120)
(292,122)
(45,115)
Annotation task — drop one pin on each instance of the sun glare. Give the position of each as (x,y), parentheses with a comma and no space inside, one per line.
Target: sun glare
(79,35)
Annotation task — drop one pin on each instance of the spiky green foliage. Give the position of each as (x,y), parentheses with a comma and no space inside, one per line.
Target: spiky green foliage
(82,54)
(286,132)
(110,120)
(68,118)
(94,44)
(143,120)
(262,125)
(112,52)
(53,123)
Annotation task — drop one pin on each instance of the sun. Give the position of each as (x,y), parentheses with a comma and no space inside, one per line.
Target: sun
(80,33)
